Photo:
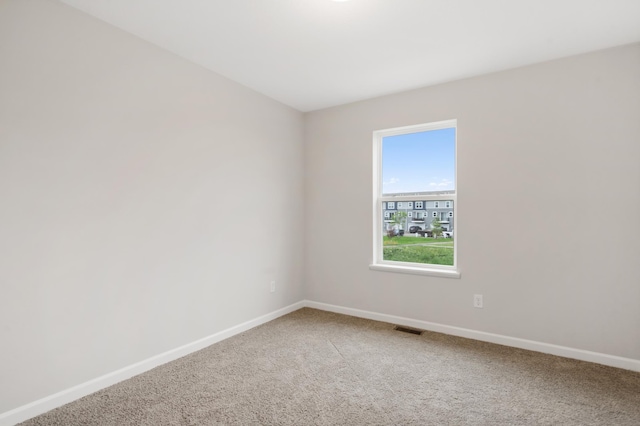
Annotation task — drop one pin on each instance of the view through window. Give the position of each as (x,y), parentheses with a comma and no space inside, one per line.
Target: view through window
(415,196)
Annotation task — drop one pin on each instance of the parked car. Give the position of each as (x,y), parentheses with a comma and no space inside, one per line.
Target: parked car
(425,233)
(395,232)
(447,234)
(413,229)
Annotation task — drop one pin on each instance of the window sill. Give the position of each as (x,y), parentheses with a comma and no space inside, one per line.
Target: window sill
(447,273)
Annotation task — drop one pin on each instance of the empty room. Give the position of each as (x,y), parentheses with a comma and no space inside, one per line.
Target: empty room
(319,212)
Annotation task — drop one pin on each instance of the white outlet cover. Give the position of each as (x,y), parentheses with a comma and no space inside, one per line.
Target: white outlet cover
(477,300)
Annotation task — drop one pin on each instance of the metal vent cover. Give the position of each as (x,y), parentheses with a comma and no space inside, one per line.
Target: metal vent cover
(408,330)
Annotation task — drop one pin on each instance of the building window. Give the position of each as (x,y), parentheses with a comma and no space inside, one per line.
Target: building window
(400,205)
(410,214)
(399,180)
(387,215)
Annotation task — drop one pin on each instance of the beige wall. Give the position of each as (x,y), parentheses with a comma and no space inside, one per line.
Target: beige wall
(119,161)
(126,177)
(548,194)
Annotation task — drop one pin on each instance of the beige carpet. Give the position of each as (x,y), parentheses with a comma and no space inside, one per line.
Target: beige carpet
(318,368)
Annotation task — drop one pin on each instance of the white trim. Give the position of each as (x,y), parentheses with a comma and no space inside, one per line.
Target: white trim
(50,402)
(377,202)
(414,128)
(43,405)
(378,262)
(515,342)
(403,268)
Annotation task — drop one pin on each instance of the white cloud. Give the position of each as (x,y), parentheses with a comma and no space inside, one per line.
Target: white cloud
(391,181)
(442,183)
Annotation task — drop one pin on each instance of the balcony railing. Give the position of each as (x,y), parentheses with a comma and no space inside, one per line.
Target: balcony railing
(443,220)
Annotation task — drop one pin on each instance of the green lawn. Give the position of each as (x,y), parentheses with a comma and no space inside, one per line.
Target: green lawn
(397,241)
(409,249)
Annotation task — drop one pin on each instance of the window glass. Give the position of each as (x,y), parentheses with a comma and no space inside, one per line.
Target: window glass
(416,164)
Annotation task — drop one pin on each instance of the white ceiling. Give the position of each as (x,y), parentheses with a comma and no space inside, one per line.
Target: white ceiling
(312,54)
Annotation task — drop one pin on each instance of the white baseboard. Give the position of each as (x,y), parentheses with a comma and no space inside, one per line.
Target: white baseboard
(43,405)
(579,354)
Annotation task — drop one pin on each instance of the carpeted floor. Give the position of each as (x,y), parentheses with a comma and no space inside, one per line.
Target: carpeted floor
(318,368)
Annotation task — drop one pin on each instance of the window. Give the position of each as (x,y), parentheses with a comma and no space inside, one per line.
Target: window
(410,163)
(387,215)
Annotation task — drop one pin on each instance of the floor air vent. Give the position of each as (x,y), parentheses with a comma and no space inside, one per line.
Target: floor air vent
(408,330)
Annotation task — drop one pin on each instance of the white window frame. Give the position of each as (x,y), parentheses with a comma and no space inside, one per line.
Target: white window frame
(434,214)
(436,205)
(419,205)
(378,263)
(391,205)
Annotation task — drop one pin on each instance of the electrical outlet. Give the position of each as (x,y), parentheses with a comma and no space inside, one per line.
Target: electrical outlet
(477,301)
(273,286)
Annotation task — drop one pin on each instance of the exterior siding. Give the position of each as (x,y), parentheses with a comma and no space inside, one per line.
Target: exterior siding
(417,216)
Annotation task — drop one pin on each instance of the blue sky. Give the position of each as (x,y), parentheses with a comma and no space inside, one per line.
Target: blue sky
(418,162)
